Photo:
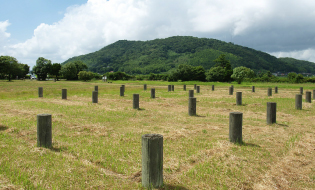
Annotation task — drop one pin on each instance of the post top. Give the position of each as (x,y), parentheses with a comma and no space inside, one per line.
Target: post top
(236,113)
(44,114)
(152,136)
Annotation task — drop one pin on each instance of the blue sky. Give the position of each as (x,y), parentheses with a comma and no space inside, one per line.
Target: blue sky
(58,30)
(26,15)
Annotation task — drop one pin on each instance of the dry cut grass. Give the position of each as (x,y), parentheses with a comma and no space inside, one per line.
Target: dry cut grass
(98,146)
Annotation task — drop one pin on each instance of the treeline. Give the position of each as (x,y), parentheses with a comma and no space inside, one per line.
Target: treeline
(11,68)
(162,55)
(221,72)
(76,70)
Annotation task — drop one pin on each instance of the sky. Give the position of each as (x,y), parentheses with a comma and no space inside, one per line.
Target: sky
(58,30)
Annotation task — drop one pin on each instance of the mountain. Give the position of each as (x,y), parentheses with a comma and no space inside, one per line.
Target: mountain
(162,55)
(303,66)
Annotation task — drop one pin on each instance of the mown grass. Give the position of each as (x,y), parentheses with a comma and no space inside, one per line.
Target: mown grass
(98,146)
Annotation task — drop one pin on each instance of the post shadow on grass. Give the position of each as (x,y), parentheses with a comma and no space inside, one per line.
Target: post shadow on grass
(3,127)
(248,144)
(172,187)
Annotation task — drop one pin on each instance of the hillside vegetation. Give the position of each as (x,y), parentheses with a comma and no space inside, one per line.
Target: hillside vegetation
(162,55)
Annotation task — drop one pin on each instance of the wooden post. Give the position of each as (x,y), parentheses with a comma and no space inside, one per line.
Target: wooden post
(308,96)
(269,91)
(64,94)
(145,87)
(235,127)
(96,88)
(253,88)
(184,87)
(169,88)
(95,97)
(313,94)
(152,161)
(40,92)
(152,92)
(44,132)
(298,101)
(301,90)
(135,101)
(212,88)
(230,90)
(122,91)
(271,112)
(198,89)
(276,90)
(190,93)
(192,106)
(173,87)
(238,98)
(195,86)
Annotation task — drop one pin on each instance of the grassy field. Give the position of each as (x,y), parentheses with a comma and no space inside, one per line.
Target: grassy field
(98,146)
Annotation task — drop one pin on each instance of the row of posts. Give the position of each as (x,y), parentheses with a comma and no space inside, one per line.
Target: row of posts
(192,107)
(152,144)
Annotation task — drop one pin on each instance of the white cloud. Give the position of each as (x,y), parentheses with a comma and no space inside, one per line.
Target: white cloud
(267,25)
(4,36)
(307,55)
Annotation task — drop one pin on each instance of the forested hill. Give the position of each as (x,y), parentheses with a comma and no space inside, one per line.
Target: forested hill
(304,66)
(161,55)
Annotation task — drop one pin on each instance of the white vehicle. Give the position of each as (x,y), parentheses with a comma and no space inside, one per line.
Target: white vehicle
(33,77)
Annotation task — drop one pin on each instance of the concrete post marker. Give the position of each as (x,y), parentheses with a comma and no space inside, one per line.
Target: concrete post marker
(192,106)
(238,98)
(121,91)
(269,91)
(40,92)
(230,90)
(64,94)
(271,112)
(152,160)
(135,101)
(191,93)
(298,101)
(308,96)
(95,97)
(235,127)
(152,92)
(44,131)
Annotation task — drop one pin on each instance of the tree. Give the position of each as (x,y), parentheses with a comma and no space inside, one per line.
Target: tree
(9,66)
(80,66)
(224,63)
(55,69)
(239,73)
(42,68)
(216,74)
(69,71)
(299,78)
(86,75)
(292,76)
(228,71)
(221,61)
